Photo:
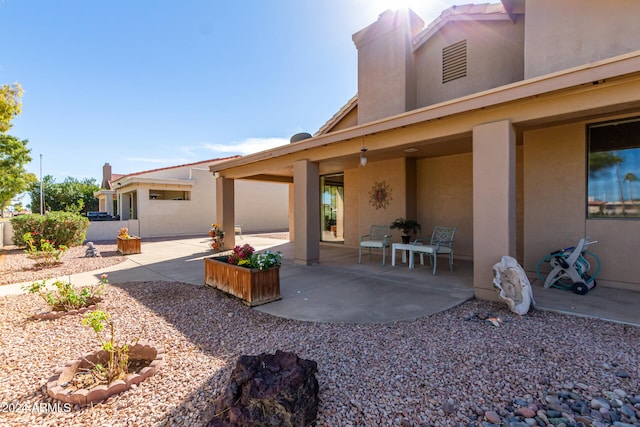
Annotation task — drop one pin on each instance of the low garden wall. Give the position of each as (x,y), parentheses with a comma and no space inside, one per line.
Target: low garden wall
(6,233)
(98,230)
(108,230)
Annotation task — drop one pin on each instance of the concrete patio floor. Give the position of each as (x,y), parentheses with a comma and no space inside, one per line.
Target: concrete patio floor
(338,289)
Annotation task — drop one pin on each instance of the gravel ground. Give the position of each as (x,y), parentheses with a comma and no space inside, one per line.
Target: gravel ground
(449,369)
(15,267)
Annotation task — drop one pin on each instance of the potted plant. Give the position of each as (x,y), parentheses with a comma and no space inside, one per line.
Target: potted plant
(252,277)
(407,226)
(128,244)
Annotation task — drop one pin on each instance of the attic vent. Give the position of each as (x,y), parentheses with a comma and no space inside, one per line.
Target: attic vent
(454,61)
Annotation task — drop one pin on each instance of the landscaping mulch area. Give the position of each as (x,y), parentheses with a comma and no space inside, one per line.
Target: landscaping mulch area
(16,267)
(449,369)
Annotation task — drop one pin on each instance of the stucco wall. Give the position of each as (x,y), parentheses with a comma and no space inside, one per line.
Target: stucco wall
(555,200)
(445,198)
(556,37)
(259,206)
(357,200)
(386,82)
(108,230)
(495,57)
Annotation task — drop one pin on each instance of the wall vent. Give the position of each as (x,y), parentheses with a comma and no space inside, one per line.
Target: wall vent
(454,61)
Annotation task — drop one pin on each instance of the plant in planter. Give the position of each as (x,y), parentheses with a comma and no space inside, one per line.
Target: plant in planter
(116,366)
(217,235)
(213,231)
(407,226)
(65,298)
(113,369)
(127,244)
(252,277)
(245,256)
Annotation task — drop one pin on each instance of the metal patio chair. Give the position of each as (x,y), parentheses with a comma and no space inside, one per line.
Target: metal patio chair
(378,238)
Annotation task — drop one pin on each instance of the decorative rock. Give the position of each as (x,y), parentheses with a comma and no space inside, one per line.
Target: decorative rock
(627,411)
(449,407)
(269,389)
(622,373)
(512,285)
(525,412)
(492,417)
(620,393)
(599,402)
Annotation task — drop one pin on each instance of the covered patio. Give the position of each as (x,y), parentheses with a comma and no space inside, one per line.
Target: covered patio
(338,289)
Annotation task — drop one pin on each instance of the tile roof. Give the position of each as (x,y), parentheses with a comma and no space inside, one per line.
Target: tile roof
(116,177)
(466,12)
(335,119)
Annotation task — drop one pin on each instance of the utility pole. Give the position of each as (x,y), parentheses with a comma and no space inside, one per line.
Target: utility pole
(41,189)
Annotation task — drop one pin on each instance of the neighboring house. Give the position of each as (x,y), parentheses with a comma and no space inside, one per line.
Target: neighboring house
(516,122)
(181,200)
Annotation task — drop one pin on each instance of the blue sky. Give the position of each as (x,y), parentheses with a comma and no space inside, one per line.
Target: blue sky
(148,84)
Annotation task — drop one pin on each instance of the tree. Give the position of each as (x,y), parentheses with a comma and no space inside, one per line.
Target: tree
(630,177)
(603,160)
(10,105)
(14,154)
(71,195)
(14,179)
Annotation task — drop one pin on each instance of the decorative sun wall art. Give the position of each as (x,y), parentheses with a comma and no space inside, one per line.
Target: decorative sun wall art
(380,195)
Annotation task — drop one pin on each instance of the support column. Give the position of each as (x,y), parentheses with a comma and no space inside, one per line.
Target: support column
(494,202)
(225,209)
(292,235)
(306,181)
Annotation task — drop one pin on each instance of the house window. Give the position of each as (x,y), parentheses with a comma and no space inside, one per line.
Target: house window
(454,61)
(169,195)
(614,169)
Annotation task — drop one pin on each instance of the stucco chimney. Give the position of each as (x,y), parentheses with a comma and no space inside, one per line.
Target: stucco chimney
(106,176)
(386,68)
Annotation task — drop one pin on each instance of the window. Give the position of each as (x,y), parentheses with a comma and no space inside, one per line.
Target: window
(614,169)
(169,195)
(454,61)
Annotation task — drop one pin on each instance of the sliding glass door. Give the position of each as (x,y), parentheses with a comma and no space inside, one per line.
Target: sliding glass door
(332,208)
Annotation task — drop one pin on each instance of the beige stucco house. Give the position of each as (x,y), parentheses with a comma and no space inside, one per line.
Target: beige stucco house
(180,200)
(516,122)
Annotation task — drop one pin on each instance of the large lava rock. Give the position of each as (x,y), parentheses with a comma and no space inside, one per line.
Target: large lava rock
(269,390)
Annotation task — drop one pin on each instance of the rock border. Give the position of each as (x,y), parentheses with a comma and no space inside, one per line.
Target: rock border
(143,350)
(52,315)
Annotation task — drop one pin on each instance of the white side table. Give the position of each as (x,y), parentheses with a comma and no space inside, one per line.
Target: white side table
(403,247)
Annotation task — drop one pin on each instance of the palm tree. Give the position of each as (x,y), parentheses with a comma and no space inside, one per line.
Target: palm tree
(630,177)
(603,160)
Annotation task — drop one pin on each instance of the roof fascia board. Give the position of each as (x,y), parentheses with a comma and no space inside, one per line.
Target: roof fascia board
(132,180)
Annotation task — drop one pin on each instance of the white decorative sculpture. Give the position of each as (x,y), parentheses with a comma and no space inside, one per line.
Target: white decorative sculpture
(91,251)
(513,286)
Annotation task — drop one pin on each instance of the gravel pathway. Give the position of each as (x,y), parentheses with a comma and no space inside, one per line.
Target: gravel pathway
(449,369)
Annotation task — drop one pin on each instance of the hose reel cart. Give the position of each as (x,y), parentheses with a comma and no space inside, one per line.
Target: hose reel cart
(570,268)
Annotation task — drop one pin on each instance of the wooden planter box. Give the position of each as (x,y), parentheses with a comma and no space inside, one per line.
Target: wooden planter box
(251,285)
(129,246)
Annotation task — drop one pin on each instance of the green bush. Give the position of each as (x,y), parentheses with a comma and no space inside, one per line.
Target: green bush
(59,228)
